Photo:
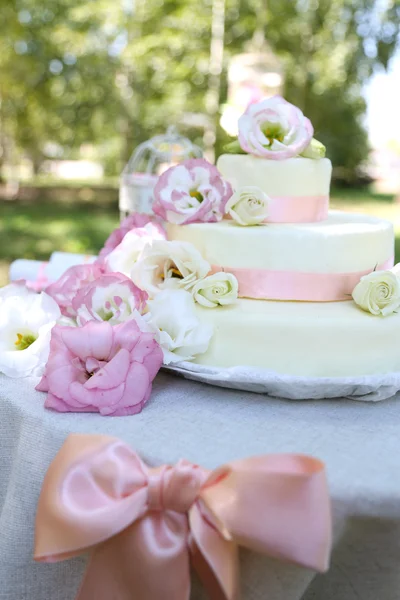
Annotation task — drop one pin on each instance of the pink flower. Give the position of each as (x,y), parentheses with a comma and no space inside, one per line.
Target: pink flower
(66,287)
(190,192)
(112,297)
(274,129)
(100,368)
(115,238)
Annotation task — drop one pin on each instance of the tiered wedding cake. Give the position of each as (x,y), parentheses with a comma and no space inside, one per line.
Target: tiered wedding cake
(297,269)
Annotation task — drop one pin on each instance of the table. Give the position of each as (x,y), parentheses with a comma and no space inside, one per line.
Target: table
(359,442)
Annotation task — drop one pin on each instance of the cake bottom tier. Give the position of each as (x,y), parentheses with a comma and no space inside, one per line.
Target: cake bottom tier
(334,339)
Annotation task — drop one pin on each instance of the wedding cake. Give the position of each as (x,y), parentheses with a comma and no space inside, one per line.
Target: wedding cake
(296,263)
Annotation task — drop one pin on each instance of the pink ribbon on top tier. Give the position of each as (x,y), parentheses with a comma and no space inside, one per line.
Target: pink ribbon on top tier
(296,209)
(145,525)
(263,284)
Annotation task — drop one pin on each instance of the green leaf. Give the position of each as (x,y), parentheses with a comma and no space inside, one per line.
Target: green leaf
(233,148)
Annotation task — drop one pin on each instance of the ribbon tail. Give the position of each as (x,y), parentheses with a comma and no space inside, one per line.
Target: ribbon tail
(214,558)
(147,561)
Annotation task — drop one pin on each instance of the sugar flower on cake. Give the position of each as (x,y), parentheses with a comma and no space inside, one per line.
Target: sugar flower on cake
(100,368)
(193,191)
(172,265)
(66,287)
(215,290)
(248,205)
(378,293)
(125,255)
(133,221)
(112,297)
(180,332)
(274,129)
(26,321)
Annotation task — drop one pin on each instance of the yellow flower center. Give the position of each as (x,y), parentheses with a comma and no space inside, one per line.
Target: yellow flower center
(24,341)
(272,132)
(196,194)
(172,272)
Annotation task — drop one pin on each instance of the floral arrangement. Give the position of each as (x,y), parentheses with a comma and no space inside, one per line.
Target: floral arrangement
(195,192)
(99,334)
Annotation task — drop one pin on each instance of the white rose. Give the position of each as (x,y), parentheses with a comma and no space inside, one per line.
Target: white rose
(248,205)
(168,265)
(125,255)
(378,293)
(217,289)
(179,332)
(26,322)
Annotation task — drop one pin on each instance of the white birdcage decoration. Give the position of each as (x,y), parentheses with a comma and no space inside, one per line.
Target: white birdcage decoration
(147,163)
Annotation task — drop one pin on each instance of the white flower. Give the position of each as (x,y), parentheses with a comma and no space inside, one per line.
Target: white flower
(179,332)
(378,293)
(218,289)
(17,288)
(26,321)
(169,265)
(248,205)
(124,256)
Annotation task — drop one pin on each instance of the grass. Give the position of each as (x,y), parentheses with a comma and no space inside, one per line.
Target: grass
(34,230)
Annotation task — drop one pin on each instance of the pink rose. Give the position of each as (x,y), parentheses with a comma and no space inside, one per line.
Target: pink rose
(190,192)
(134,221)
(100,368)
(66,287)
(274,129)
(112,297)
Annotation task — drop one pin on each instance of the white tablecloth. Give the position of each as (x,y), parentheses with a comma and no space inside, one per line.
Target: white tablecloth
(360,444)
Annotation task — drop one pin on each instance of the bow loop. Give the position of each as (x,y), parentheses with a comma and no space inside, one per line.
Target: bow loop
(277,504)
(95,487)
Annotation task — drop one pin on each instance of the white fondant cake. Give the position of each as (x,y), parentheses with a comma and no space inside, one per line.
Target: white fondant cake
(291,177)
(300,338)
(314,339)
(295,266)
(344,243)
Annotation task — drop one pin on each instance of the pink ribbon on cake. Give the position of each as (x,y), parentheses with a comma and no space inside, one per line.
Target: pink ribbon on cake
(145,525)
(297,285)
(296,209)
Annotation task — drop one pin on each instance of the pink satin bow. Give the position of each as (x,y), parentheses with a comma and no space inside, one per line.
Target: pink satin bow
(144,525)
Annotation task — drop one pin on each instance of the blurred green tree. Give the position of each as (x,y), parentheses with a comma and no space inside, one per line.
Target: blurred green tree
(330,49)
(114,73)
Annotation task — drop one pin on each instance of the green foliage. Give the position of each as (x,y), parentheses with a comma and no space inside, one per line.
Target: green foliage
(103,73)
